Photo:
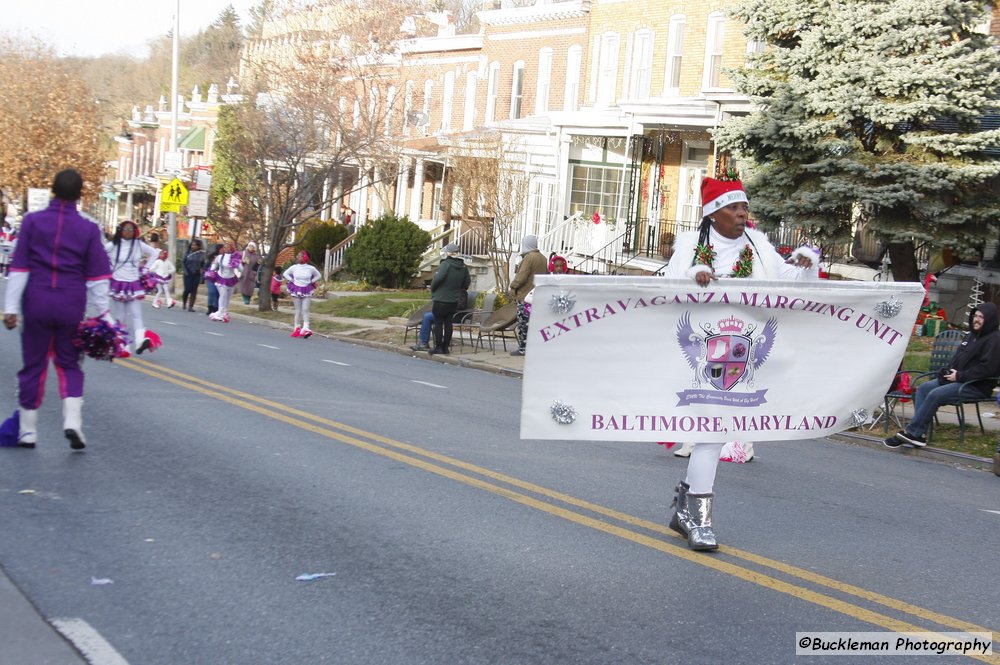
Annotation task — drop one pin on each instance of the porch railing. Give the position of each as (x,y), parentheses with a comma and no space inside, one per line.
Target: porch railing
(333,262)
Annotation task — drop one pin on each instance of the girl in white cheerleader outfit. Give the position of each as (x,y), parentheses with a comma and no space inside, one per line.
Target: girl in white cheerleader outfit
(126,253)
(163,272)
(301,279)
(226,267)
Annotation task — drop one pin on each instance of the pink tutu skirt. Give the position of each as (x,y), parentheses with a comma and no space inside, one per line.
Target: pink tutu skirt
(226,281)
(301,291)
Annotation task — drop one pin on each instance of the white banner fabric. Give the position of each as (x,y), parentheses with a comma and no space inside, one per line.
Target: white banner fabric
(655,359)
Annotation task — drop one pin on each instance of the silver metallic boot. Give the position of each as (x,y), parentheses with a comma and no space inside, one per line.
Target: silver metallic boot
(693,518)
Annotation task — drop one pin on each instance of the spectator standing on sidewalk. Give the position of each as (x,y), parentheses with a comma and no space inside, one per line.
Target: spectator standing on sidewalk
(452,277)
(532,263)
(977,361)
(251,266)
(193,265)
(59,269)
(213,290)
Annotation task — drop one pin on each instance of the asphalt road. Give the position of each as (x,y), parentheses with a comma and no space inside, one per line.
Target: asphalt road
(236,459)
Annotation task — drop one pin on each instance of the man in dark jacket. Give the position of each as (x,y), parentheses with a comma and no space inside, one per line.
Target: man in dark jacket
(449,281)
(976,361)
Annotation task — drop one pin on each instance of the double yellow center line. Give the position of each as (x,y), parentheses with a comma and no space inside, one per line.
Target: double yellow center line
(567,507)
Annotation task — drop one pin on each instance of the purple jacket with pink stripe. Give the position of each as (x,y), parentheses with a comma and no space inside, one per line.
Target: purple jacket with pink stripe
(60,249)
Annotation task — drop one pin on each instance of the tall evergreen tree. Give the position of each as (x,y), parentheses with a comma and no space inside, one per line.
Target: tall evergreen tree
(871,111)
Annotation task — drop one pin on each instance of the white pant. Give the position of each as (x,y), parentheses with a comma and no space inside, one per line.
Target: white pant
(225,295)
(129,314)
(162,292)
(301,312)
(702,465)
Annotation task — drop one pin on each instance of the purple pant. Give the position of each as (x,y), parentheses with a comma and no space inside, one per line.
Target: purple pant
(50,318)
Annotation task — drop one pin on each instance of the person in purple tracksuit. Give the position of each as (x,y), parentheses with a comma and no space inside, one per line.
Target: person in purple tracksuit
(59,271)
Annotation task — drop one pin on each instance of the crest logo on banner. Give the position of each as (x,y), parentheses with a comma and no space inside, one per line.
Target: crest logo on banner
(724,356)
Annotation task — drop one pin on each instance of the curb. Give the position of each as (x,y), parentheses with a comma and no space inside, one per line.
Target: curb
(952,457)
(458,361)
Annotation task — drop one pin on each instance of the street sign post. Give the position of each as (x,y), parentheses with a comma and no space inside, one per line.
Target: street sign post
(38,199)
(198,204)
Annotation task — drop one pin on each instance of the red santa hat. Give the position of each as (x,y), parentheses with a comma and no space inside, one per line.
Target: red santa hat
(717,194)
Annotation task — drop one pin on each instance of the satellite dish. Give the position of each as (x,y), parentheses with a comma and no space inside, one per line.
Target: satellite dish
(419,118)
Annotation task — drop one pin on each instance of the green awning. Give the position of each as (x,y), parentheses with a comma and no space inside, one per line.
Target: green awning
(193,140)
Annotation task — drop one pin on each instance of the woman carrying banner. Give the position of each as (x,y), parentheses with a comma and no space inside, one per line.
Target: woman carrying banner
(724,247)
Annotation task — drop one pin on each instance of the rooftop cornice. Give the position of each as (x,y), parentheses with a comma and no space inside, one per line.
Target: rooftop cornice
(535,13)
(436,44)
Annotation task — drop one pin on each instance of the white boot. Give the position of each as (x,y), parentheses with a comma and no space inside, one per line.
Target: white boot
(27,435)
(73,422)
(684,450)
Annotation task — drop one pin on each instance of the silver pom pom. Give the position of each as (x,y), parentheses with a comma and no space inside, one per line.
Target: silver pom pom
(562,413)
(859,417)
(887,309)
(562,303)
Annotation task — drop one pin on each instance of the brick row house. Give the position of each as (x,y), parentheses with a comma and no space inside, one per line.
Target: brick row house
(607,105)
(141,168)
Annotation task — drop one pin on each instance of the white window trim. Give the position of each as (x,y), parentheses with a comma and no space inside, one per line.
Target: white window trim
(607,69)
(407,104)
(715,19)
(390,103)
(675,53)
(492,91)
(574,68)
(641,83)
(448,101)
(469,118)
(517,77)
(543,86)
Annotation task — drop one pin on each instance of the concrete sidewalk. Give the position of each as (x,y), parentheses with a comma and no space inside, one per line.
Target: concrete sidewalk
(25,637)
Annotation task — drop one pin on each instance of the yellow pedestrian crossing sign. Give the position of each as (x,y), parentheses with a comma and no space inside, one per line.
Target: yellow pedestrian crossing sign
(175,193)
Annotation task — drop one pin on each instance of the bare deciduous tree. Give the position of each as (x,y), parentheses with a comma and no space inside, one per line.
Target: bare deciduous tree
(493,193)
(316,105)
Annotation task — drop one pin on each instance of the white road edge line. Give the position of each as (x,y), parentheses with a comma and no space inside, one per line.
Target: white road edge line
(995,512)
(424,383)
(89,642)
(268,346)
(334,362)
(209,332)
(169,323)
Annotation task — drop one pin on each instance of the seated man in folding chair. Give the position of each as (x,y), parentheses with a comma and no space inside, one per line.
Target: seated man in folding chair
(976,361)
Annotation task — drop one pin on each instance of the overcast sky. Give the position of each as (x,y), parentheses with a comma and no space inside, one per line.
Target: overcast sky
(95,27)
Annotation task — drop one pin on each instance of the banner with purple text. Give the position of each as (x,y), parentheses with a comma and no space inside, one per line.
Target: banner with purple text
(654,359)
